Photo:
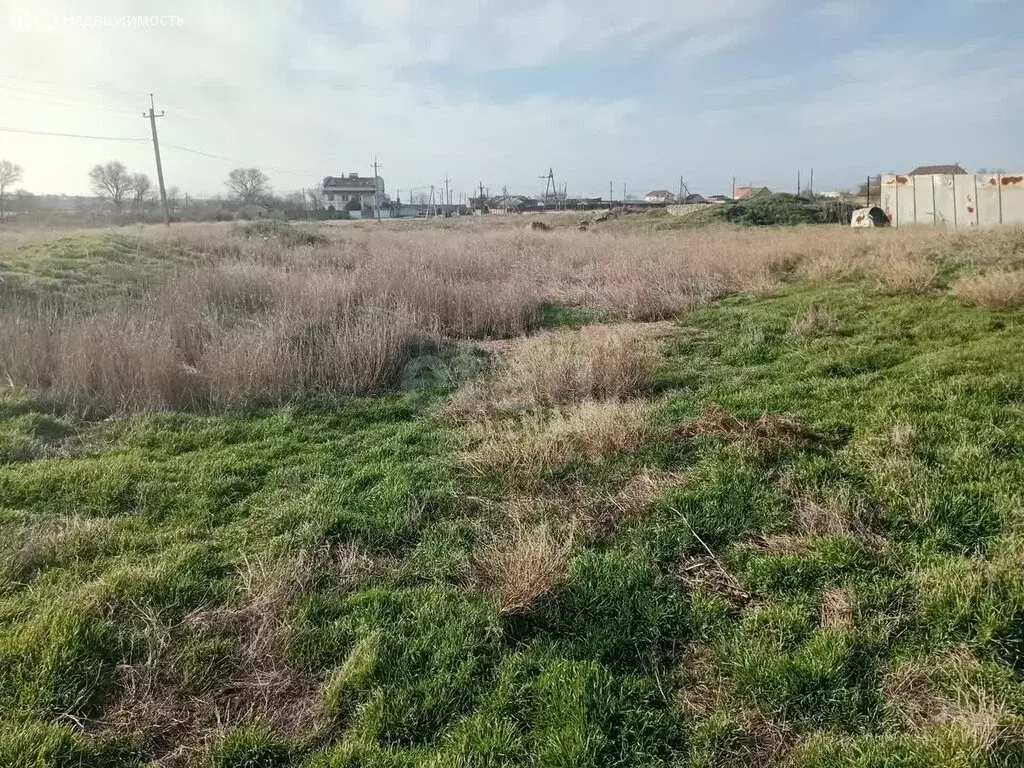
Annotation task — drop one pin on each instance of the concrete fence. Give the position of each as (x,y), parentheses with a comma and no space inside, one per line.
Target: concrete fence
(962,200)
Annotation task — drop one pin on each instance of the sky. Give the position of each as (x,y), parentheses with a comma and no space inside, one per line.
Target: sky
(489,91)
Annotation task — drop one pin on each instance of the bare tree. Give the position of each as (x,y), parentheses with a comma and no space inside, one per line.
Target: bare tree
(173,200)
(112,182)
(248,185)
(142,187)
(10,174)
(315,198)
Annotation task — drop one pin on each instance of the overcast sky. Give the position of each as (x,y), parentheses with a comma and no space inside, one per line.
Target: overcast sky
(494,91)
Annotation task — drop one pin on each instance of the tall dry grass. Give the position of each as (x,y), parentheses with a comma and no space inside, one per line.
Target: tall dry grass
(262,319)
(573,366)
(998,289)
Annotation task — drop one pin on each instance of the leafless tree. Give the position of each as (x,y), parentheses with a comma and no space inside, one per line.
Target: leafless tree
(10,174)
(112,182)
(314,197)
(141,190)
(248,185)
(173,200)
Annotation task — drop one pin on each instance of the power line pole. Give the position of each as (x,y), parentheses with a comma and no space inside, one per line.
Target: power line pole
(447,199)
(798,183)
(733,187)
(812,183)
(611,194)
(156,151)
(376,187)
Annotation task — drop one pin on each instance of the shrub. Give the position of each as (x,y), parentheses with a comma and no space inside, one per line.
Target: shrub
(769,210)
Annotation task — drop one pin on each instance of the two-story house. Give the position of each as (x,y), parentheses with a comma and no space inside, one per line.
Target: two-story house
(339,192)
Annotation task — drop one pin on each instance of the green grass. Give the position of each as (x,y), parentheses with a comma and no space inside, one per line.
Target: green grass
(87,265)
(332,545)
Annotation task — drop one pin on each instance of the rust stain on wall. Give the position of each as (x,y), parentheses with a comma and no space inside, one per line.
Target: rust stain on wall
(1012,180)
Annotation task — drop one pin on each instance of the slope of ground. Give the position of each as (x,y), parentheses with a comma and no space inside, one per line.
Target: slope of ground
(782,529)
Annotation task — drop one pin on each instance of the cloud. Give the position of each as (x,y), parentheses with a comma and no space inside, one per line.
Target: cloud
(483,90)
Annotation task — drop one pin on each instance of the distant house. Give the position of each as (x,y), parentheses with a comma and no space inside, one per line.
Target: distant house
(719,198)
(659,196)
(695,199)
(749,193)
(937,170)
(339,192)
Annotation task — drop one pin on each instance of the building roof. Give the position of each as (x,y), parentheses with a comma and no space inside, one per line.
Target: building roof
(932,170)
(660,193)
(351,182)
(745,193)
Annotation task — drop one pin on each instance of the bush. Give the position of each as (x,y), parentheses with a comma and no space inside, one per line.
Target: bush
(769,210)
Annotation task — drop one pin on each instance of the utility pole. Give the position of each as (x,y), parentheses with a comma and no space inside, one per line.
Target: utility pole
(156,151)
(447,199)
(623,193)
(681,200)
(376,187)
(812,183)
(733,187)
(611,194)
(798,183)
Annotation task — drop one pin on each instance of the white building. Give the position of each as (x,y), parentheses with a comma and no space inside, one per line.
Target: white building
(339,192)
(660,196)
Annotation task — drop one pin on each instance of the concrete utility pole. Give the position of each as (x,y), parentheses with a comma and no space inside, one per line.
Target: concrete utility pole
(611,194)
(159,166)
(681,200)
(376,187)
(446,201)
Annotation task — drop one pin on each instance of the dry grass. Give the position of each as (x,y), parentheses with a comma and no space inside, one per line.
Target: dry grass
(836,609)
(177,724)
(769,432)
(574,366)
(903,273)
(937,691)
(999,289)
(523,565)
(341,309)
(813,321)
(537,443)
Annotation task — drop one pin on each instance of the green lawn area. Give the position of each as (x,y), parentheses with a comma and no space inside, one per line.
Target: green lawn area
(839,582)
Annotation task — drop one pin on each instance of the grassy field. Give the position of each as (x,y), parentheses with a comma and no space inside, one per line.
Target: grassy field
(473,496)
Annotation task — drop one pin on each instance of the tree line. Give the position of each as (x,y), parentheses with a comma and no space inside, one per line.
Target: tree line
(126,191)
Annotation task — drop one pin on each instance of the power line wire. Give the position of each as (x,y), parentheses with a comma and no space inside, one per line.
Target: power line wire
(56,101)
(239,162)
(70,135)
